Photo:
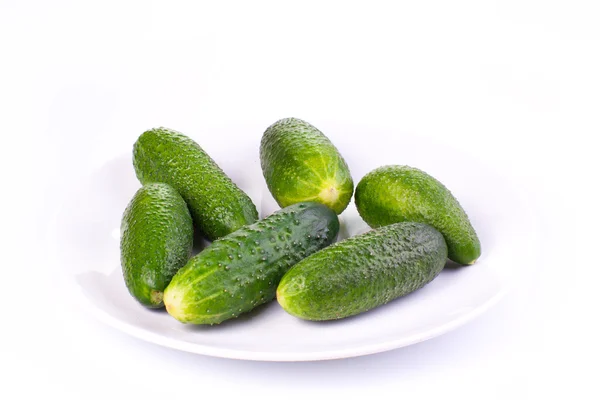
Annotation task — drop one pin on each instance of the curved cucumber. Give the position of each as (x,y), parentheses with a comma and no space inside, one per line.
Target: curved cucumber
(156,240)
(217,205)
(395,193)
(363,272)
(240,271)
(299,163)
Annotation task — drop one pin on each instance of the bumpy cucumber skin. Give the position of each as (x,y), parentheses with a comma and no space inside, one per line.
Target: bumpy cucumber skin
(299,163)
(396,193)
(363,272)
(241,271)
(217,205)
(156,241)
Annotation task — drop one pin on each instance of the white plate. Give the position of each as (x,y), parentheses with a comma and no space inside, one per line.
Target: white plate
(88,238)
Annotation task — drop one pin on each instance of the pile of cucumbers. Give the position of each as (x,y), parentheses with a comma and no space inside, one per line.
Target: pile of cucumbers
(291,255)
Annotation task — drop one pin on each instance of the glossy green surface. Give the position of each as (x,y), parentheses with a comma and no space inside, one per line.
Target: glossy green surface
(217,205)
(156,241)
(395,193)
(299,163)
(363,272)
(241,271)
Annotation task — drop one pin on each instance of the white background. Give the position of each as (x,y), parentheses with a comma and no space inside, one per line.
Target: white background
(515,83)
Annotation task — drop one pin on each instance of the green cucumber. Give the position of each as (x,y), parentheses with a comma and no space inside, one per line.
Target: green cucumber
(395,193)
(299,163)
(363,272)
(217,205)
(241,271)
(156,241)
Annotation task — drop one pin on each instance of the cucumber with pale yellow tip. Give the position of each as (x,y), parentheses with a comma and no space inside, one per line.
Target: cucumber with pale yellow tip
(300,163)
(241,270)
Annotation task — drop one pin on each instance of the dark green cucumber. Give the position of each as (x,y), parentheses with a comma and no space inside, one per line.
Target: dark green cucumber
(240,271)
(217,205)
(395,193)
(299,163)
(363,272)
(156,241)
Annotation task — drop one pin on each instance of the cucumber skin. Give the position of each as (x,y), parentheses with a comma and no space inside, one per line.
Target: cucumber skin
(217,205)
(393,193)
(290,150)
(156,241)
(241,271)
(363,272)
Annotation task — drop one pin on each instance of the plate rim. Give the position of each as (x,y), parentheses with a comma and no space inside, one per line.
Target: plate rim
(85,304)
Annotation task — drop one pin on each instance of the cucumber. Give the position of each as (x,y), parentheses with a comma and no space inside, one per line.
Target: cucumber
(299,163)
(363,272)
(395,193)
(156,241)
(241,271)
(217,205)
